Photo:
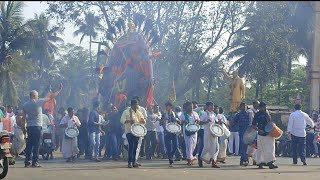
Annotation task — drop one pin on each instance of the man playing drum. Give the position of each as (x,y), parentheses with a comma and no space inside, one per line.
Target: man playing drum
(171,139)
(210,150)
(265,143)
(130,116)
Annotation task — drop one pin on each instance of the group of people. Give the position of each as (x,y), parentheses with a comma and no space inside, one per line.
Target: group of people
(111,129)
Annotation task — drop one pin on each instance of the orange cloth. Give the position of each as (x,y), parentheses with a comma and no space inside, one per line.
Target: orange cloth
(50,103)
(7,123)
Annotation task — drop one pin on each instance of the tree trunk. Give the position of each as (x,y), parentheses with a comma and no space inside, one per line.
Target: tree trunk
(279,93)
(257,89)
(198,90)
(91,60)
(209,86)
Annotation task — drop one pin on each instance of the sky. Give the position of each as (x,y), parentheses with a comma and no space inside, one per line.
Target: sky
(35,7)
(32,7)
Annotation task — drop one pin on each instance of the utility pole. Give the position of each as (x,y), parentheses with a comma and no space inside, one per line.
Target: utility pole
(315,64)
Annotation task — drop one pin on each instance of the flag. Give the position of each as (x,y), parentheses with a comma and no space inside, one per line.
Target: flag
(172,95)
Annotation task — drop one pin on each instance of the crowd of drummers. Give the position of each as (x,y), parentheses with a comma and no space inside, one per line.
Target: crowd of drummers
(199,135)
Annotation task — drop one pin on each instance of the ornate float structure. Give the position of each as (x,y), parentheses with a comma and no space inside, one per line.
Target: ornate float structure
(125,64)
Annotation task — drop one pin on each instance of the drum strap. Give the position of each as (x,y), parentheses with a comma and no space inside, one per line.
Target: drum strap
(167,115)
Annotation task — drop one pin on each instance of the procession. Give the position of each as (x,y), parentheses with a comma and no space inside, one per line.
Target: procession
(132,90)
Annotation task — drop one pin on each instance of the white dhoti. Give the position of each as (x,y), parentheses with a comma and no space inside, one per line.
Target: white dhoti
(222,149)
(191,142)
(265,149)
(211,147)
(138,148)
(18,142)
(252,152)
(69,147)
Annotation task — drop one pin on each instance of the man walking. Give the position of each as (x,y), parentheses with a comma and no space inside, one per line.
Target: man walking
(296,129)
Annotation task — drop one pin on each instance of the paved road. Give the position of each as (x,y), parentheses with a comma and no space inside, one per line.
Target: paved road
(159,170)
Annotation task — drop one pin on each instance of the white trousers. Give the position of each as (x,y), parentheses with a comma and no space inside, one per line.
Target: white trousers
(234,136)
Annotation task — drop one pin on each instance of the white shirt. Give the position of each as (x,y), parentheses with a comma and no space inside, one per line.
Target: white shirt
(159,128)
(45,123)
(298,121)
(13,121)
(192,118)
(204,117)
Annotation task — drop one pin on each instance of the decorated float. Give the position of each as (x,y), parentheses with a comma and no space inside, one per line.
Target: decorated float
(125,62)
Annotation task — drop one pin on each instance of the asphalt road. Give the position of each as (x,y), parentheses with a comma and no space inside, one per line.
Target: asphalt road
(158,169)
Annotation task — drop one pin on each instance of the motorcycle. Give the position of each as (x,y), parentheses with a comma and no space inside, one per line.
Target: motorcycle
(46,148)
(5,154)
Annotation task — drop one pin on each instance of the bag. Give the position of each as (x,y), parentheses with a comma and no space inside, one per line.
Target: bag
(188,133)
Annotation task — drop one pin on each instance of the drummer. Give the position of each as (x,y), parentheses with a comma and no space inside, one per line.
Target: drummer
(171,139)
(265,144)
(190,117)
(243,122)
(130,116)
(211,147)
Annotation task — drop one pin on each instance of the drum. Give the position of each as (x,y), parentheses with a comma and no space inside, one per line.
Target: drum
(226,132)
(138,130)
(250,135)
(71,132)
(192,129)
(173,128)
(273,130)
(216,130)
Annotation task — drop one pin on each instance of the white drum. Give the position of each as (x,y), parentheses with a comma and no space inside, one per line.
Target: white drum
(226,132)
(192,127)
(216,130)
(138,130)
(71,132)
(173,128)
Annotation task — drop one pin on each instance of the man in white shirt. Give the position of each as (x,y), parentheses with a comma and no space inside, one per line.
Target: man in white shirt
(296,129)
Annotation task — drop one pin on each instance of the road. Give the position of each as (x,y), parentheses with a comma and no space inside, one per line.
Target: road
(158,170)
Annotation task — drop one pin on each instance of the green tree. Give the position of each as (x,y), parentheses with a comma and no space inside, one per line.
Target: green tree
(44,41)
(12,39)
(89,27)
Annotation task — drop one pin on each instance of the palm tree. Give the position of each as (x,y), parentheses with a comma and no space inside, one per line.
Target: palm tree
(89,27)
(44,41)
(12,38)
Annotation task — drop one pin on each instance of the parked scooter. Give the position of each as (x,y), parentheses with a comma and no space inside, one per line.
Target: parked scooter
(4,153)
(46,147)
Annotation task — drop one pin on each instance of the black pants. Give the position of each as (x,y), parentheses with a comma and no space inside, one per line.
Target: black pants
(298,147)
(33,143)
(151,142)
(83,142)
(133,144)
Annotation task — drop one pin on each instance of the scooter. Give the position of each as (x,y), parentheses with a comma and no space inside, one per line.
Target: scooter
(4,153)
(46,148)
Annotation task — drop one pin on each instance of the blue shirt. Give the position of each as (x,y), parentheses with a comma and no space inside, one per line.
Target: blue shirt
(170,117)
(93,117)
(242,121)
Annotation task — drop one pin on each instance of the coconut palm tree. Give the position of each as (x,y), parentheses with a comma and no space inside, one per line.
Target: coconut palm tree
(44,42)
(12,38)
(89,27)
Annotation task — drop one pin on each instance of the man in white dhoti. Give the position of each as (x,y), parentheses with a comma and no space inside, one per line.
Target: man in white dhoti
(190,117)
(210,150)
(70,145)
(222,120)
(265,143)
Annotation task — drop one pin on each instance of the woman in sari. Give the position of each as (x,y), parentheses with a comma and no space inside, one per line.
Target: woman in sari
(70,145)
(189,117)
